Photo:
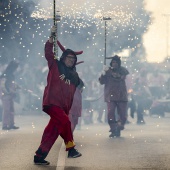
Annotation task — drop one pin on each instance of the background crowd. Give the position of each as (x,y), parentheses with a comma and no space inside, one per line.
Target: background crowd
(148,88)
(24,34)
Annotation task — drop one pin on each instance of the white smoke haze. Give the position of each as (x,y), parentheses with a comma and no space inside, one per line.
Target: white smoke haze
(157,35)
(81,15)
(157,32)
(81,28)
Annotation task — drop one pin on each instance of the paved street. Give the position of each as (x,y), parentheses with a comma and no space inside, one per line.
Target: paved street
(17,147)
(140,147)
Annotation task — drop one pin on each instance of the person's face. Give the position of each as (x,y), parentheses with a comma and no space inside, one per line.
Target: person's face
(70,60)
(114,64)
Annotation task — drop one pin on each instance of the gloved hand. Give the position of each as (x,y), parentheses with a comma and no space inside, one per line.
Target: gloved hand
(105,69)
(53,31)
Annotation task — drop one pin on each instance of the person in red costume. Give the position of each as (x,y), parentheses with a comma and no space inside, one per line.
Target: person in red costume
(115,94)
(62,81)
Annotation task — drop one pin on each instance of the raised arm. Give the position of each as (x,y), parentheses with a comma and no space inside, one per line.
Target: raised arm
(49,54)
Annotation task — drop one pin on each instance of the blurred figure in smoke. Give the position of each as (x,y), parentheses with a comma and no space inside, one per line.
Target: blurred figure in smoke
(156,84)
(142,95)
(87,111)
(76,108)
(8,91)
(167,88)
(116,96)
(131,101)
(62,81)
(160,106)
(98,105)
(101,111)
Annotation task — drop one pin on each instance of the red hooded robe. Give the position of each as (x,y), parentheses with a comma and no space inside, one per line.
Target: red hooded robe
(58,92)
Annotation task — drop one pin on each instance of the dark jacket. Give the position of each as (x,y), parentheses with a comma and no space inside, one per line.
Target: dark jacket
(114,85)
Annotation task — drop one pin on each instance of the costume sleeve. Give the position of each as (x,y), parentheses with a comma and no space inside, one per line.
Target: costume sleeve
(49,55)
(124,71)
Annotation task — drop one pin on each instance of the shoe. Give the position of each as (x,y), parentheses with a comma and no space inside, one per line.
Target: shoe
(39,161)
(99,120)
(112,135)
(14,127)
(128,122)
(142,122)
(6,128)
(116,133)
(78,128)
(73,153)
(120,126)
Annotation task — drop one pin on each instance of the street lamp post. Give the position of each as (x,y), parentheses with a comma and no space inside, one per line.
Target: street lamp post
(105,19)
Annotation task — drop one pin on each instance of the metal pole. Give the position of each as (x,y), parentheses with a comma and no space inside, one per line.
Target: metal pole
(54,12)
(105,19)
(105,43)
(54,22)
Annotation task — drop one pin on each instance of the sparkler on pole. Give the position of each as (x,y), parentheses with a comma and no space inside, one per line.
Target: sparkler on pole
(56,19)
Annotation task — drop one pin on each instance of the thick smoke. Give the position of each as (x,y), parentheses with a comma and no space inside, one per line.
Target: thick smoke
(26,26)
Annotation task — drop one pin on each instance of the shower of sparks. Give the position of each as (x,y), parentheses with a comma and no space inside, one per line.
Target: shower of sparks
(78,17)
(78,22)
(87,14)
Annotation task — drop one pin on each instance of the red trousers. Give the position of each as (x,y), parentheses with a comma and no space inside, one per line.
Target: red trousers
(59,124)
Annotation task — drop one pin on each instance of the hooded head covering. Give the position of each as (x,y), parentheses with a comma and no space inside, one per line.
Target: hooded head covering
(115,58)
(68,51)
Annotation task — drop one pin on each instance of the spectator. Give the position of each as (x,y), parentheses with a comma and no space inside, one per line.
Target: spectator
(8,91)
(142,95)
(156,84)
